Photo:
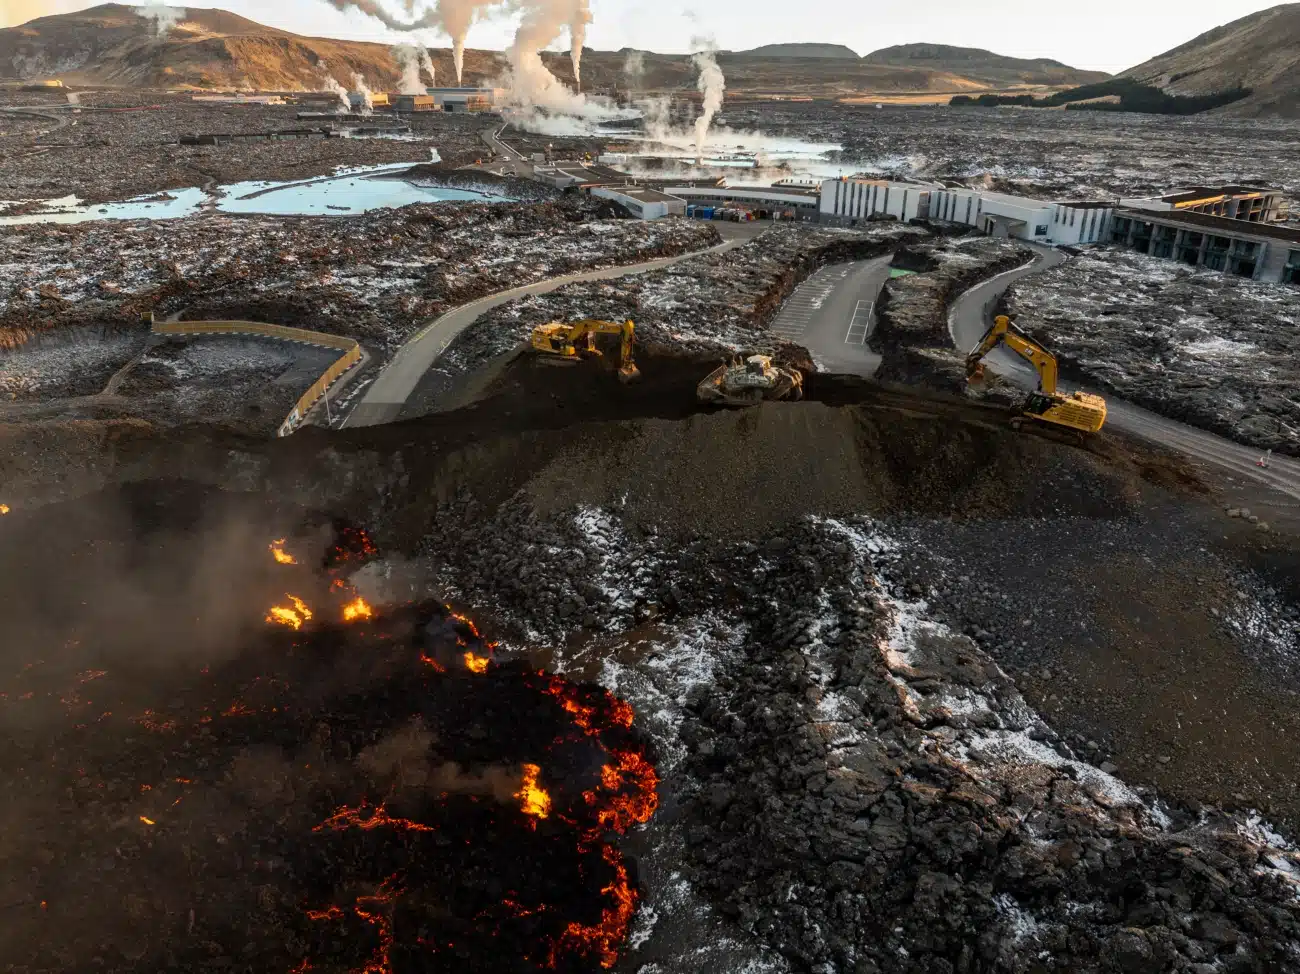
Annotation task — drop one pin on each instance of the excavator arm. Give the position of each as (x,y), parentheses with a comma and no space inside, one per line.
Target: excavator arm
(562,339)
(1002,332)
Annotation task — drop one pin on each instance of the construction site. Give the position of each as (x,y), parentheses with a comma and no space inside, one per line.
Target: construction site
(434,549)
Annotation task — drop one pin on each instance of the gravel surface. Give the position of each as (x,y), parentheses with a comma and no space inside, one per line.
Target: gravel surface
(78,362)
(1211,350)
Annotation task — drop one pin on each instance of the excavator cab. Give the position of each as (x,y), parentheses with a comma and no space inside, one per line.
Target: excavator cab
(571,341)
(1080,411)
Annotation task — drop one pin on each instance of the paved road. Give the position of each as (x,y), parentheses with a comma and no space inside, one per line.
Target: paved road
(384,399)
(969,320)
(833,312)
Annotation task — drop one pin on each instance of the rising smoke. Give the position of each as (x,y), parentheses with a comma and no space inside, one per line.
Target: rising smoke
(164,18)
(331,84)
(634,67)
(367,96)
(713,85)
(411,59)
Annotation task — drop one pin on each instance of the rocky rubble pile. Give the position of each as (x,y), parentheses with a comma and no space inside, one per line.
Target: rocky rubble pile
(911,333)
(716,301)
(875,795)
(867,791)
(1211,350)
(375,277)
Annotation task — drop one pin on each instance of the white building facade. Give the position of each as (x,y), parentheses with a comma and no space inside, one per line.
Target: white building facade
(845,202)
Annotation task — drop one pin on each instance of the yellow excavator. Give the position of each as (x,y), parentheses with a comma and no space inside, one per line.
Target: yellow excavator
(560,340)
(1078,411)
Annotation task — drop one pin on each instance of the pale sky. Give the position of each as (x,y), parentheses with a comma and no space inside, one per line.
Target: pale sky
(1105,35)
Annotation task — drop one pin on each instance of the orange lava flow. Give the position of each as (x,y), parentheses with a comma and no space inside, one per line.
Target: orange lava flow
(4,508)
(476,664)
(534,800)
(633,784)
(605,937)
(280,555)
(366,818)
(377,910)
(147,821)
(585,715)
(358,608)
(293,617)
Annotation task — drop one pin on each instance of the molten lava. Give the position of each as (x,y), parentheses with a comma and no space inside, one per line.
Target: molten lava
(604,938)
(476,664)
(4,509)
(534,800)
(280,555)
(293,615)
(376,910)
(366,818)
(587,716)
(357,609)
(628,793)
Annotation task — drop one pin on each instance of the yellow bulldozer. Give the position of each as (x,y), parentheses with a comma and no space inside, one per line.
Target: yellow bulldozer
(562,342)
(1080,411)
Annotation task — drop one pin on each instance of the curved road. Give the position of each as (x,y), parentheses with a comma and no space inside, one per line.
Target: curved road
(969,319)
(832,313)
(384,399)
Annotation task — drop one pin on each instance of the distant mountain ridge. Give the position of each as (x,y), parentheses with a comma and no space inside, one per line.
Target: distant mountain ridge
(208,49)
(1260,52)
(985,64)
(804,50)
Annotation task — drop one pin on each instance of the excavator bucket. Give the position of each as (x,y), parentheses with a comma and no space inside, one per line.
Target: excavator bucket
(629,373)
(975,378)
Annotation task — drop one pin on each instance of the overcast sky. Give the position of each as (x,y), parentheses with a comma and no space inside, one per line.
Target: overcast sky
(1105,35)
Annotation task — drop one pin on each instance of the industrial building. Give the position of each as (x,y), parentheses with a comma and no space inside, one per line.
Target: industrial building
(466,99)
(1250,203)
(647,204)
(568,175)
(358,100)
(406,104)
(1245,248)
(764,201)
(846,202)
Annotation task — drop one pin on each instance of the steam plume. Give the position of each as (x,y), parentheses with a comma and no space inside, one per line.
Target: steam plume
(164,17)
(371,8)
(457,16)
(713,85)
(411,59)
(634,67)
(332,85)
(367,96)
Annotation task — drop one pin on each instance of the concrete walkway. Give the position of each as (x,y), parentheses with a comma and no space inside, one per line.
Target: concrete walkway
(384,399)
(969,320)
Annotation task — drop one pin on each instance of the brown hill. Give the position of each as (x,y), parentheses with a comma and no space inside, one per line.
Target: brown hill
(978,64)
(1257,52)
(113,45)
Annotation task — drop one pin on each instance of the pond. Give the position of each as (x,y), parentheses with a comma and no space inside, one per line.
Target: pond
(346,192)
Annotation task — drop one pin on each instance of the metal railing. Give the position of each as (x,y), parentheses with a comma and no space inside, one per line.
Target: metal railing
(351,357)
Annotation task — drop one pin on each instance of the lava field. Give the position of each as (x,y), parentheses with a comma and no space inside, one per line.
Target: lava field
(343,790)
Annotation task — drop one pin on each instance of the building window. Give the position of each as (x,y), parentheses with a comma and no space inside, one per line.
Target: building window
(1072,218)
(1291,273)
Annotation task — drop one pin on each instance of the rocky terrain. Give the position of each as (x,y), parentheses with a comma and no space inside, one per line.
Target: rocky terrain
(105,154)
(1254,52)
(912,330)
(1209,349)
(374,277)
(718,303)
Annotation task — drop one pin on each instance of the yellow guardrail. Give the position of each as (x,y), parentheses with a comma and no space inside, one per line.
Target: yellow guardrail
(352,354)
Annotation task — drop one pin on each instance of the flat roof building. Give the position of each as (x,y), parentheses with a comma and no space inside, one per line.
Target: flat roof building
(796,204)
(1245,248)
(1253,204)
(563,175)
(642,202)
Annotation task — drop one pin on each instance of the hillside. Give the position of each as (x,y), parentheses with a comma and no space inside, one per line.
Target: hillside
(113,45)
(1257,52)
(975,63)
(838,51)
